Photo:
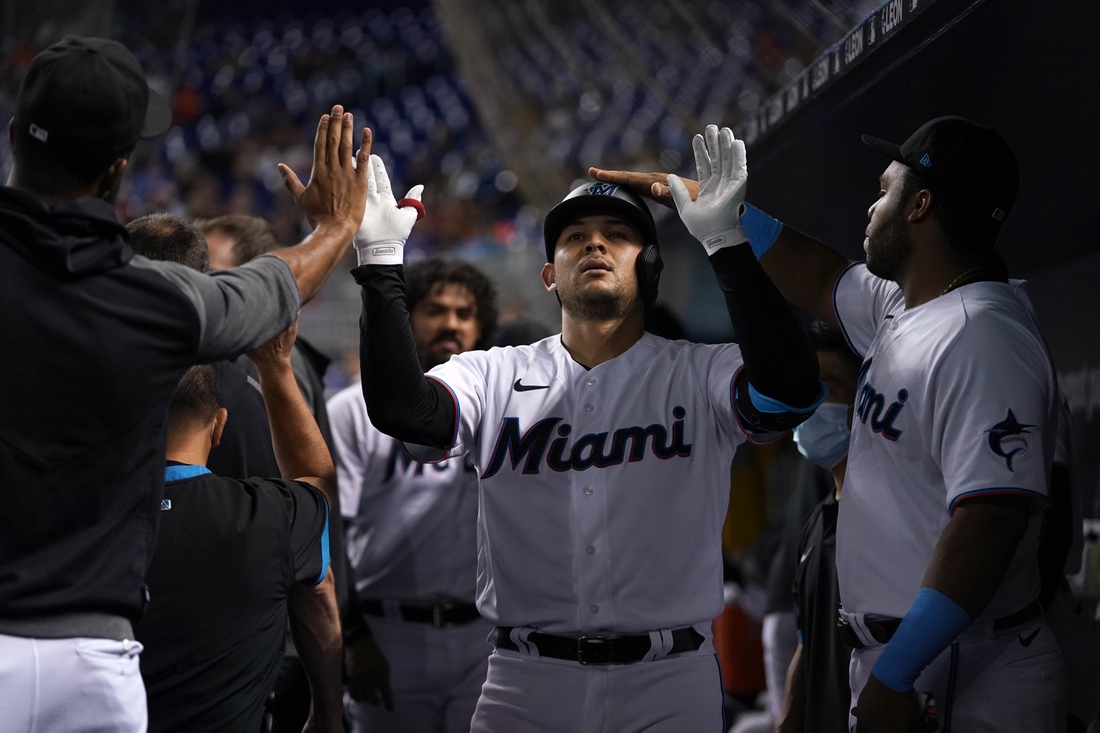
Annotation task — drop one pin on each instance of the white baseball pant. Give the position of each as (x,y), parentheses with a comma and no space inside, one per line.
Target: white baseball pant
(670,695)
(1012,681)
(77,685)
(436,677)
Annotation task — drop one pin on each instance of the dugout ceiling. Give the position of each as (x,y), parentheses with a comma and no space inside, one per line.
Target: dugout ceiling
(1027,68)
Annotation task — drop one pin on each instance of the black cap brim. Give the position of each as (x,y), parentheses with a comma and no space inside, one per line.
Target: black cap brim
(886,148)
(158,116)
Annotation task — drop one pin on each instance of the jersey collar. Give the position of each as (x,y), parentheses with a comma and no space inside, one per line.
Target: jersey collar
(179,472)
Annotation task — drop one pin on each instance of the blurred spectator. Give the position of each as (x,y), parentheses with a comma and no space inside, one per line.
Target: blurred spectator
(817,696)
(413,528)
(245,448)
(235,239)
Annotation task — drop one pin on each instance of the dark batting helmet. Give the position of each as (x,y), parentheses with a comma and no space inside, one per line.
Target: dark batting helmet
(607,198)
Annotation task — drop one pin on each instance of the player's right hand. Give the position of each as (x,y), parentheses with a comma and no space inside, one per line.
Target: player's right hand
(714,217)
(386,226)
(276,351)
(337,189)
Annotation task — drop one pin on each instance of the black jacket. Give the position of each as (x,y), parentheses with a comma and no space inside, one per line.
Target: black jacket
(93,340)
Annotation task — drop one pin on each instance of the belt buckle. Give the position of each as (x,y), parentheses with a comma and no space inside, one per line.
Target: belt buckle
(437,615)
(593,650)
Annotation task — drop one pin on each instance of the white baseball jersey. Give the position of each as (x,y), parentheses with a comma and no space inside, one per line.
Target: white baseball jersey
(957,397)
(413,525)
(603,491)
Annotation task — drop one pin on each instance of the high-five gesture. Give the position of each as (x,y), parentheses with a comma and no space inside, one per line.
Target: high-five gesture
(337,186)
(387,222)
(332,202)
(714,218)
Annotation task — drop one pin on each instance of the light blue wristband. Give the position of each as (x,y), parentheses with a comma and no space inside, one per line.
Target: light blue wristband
(933,622)
(761,229)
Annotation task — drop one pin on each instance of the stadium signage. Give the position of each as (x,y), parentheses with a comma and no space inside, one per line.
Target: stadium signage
(886,20)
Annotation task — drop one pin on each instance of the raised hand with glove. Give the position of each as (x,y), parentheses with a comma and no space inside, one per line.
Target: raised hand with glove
(387,222)
(714,218)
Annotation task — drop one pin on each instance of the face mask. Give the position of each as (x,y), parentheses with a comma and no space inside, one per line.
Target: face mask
(824,438)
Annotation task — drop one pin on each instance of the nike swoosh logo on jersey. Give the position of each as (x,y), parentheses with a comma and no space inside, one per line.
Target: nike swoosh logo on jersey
(528,387)
(1026,641)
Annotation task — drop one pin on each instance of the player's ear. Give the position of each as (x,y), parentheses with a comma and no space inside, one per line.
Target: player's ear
(548,277)
(220,418)
(920,206)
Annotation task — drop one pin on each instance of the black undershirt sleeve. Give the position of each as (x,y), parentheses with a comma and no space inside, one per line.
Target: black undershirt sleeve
(779,363)
(401,401)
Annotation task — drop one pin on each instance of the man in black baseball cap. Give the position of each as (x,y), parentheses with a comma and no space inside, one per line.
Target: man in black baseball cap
(971,172)
(82,106)
(95,340)
(937,537)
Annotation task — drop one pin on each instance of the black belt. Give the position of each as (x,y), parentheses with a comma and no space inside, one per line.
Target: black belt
(599,649)
(441,615)
(882,629)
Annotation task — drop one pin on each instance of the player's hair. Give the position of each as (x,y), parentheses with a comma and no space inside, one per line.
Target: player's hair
(170,238)
(195,401)
(422,276)
(46,171)
(824,337)
(251,235)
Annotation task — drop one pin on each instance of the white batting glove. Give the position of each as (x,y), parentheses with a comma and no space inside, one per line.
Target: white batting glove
(385,229)
(714,218)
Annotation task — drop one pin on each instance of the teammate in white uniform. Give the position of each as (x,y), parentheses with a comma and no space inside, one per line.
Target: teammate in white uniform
(603,455)
(412,526)
(952,441)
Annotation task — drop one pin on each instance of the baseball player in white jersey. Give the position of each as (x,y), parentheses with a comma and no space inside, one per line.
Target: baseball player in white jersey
(411,531)
(952,441)
(603,455)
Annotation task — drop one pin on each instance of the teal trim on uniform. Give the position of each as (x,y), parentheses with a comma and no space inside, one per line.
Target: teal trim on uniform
(768,405)
(324,546)
(179,473)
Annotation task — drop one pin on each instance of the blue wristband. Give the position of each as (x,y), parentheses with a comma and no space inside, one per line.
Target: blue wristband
(761,229)
(772,406)
(933,622)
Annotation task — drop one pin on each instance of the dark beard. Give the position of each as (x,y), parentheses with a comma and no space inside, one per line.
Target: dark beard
(593,306)
(889,249)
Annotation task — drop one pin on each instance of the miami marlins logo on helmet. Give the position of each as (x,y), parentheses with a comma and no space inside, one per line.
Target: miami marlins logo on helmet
(1008,438)
(602,189)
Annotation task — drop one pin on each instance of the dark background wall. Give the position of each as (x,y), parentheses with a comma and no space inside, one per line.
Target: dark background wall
(1029,70)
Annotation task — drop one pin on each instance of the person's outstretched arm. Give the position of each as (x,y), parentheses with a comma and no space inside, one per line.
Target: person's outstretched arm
(781,386)
(401,401)
(303,457)
(240,309)
(332,201)
(804,269)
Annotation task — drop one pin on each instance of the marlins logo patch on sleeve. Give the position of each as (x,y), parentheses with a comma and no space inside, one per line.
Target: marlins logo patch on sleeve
(1009,438)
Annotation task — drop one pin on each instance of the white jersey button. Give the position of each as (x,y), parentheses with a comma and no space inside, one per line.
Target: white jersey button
(589,407)
(590,381)
(591,550)
(594,608)
(588,490)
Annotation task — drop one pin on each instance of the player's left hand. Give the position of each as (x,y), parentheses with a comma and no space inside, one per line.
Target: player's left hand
(367,673)
(714,218)
(653,186)
(882,710)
